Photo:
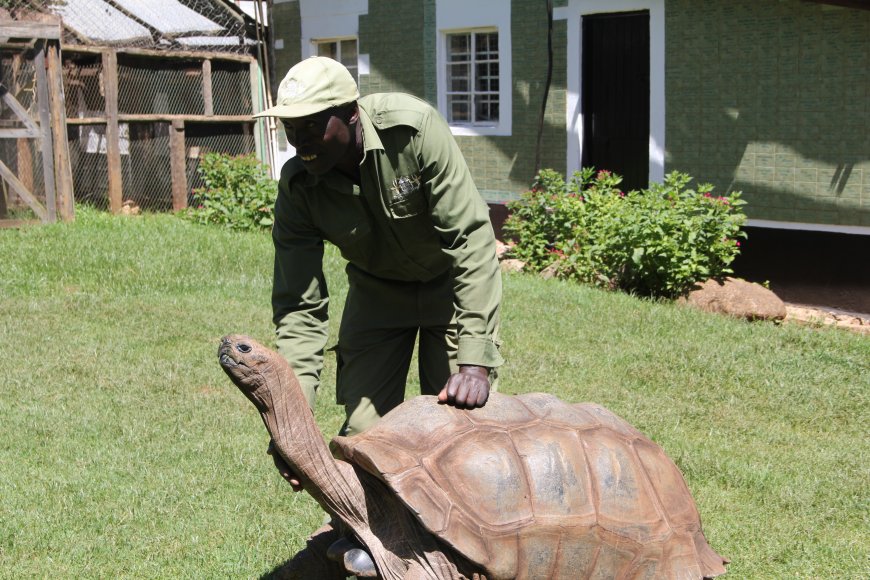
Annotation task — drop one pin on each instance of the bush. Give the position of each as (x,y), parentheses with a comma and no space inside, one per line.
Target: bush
(238,193)
(654,242)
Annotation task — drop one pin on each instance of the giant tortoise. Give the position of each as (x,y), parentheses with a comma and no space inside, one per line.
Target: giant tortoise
(527,486)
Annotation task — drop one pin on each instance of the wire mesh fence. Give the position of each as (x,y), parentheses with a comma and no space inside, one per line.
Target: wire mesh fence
(145,160)
(22,156)
(156,24)
(138,119)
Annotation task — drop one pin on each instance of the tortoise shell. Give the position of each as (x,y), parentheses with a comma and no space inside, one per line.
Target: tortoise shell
(529,486)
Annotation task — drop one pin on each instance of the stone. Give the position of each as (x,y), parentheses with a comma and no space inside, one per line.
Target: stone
(737,297)
(512,265)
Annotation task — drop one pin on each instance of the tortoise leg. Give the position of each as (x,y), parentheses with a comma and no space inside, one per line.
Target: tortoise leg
(312,561)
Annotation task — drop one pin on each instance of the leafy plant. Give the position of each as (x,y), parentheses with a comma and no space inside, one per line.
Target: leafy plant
(656,242)
(238,193)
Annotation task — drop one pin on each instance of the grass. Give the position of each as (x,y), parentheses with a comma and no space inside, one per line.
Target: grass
(125,451)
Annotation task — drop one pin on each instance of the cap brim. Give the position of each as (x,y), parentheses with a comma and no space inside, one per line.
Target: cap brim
(293,111)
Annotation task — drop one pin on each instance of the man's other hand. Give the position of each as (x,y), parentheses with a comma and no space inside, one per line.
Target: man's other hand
(283,468)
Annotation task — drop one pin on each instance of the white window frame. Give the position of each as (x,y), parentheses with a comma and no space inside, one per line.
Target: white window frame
(462,16)
(472,91)
(354,69)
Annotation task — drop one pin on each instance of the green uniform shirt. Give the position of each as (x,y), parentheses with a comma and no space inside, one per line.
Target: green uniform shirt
(416,214)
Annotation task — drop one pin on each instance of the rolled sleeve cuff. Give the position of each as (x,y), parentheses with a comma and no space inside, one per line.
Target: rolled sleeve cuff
(478,351)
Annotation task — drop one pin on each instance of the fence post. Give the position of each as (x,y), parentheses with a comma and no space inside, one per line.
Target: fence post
(208,99)
(43,102)
(63,171)
(178,165)
(113,131)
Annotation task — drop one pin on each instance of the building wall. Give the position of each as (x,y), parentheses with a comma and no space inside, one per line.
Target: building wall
(768,97)
(394,40)
(286,37)
(772,98)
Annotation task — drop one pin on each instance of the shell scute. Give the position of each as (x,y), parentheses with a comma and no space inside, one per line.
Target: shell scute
(555,411)
(485,477)
(668,483)
(627,506)
(558,474)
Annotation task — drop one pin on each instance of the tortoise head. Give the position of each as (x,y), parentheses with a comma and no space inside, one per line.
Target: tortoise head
(248,363)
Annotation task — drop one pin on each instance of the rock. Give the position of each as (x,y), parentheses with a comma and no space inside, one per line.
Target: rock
(813,316)
(737,297)
(512,265)
(130,207)
(550,271)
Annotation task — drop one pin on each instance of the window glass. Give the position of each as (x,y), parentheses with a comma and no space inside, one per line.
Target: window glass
(344,51)
(472,78)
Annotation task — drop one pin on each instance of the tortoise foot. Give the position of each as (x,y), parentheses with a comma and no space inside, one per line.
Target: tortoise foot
(355,559)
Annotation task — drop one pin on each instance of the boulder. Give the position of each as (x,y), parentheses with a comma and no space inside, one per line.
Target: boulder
(512,265)
(736,297)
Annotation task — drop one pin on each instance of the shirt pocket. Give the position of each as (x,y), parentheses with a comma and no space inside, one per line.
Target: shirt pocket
(406,197)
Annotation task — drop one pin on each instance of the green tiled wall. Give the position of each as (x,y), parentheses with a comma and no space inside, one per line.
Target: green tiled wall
(392,34)
(504,167)
(772,98)
(287,24)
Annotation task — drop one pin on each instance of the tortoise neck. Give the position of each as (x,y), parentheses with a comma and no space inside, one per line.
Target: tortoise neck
(335,485)
(289,420)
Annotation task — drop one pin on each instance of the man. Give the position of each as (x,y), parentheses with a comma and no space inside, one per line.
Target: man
(382,178)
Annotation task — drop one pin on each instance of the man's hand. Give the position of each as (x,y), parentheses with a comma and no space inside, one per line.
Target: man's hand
(283,468)
(467,389)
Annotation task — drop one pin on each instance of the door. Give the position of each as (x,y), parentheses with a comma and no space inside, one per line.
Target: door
(616,95)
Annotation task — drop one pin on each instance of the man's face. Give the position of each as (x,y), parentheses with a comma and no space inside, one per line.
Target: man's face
(321,140)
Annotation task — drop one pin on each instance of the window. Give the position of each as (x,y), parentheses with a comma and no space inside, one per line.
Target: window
(343,50)
(472,78)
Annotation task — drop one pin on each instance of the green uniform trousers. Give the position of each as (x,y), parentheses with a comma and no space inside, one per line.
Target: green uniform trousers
(379,328)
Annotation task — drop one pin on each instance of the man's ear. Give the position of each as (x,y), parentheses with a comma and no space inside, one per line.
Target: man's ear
(353,111)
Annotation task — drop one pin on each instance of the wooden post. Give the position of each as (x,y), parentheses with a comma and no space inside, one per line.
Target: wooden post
(3,209)
(207,97)
(113,131)
(178,165)
(261,148)
(25,152)
(63,171)
(46,134)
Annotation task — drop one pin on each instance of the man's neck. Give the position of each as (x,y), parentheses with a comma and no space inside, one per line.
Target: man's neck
(350,164)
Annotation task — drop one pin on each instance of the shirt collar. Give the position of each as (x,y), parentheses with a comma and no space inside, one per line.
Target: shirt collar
(371,140)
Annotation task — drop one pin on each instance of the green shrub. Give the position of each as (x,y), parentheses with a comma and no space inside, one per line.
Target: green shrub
(654,242)
(238,193)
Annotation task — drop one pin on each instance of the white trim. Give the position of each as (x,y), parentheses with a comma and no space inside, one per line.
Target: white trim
(859,230)
(461,15)
(573,13)
(329,19)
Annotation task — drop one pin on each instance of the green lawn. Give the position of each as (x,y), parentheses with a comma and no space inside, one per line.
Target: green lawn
(125,451)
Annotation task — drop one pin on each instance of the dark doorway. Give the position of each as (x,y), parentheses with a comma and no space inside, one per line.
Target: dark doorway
(615,99)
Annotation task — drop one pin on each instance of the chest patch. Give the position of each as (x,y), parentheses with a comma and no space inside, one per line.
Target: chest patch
(404,186)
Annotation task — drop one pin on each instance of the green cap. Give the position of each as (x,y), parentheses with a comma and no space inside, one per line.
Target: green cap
(311,86)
